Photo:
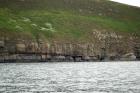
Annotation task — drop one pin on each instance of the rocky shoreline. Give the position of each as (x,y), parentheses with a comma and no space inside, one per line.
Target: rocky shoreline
(105,46)
(75,56)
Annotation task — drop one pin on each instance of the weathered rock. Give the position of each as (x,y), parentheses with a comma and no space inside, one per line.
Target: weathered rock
(129,57)
(20,47)
(2,44)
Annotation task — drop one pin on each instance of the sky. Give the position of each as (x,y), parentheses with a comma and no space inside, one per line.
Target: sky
(129,2)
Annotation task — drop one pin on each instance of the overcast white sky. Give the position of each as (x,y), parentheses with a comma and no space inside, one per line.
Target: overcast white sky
(130,2)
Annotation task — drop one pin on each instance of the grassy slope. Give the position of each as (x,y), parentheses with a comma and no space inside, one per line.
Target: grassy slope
(65,19)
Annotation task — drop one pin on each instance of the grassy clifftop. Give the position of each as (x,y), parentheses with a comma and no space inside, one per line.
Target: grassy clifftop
(66,19)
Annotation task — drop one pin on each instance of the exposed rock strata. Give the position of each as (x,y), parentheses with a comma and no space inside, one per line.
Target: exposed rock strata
(105,45)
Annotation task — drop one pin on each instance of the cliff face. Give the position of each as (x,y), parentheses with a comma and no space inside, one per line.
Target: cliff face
(105,45)
(86,29)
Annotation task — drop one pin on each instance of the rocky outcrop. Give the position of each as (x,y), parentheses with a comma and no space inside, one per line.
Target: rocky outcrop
(104,46)
(128,57)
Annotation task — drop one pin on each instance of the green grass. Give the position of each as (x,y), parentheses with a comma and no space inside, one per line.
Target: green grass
(64,24)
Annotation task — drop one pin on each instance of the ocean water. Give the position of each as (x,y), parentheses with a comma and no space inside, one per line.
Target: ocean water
(118,77)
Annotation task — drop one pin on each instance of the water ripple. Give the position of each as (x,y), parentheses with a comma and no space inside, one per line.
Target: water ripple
(70,78)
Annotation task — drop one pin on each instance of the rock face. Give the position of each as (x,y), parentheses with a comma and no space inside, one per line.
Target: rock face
(102,46)
(20,47)
(129,57)
(1,43)
(108,46)
(137,51)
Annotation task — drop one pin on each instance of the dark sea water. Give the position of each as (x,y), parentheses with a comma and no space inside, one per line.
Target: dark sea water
(70,77)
